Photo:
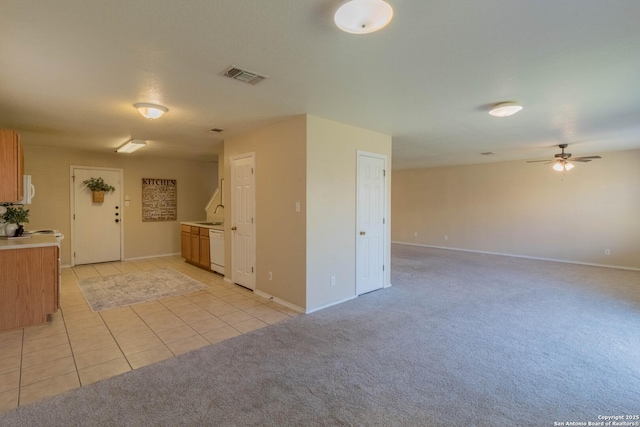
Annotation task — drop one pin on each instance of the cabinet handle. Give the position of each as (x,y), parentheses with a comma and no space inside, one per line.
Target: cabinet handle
(234,228)
(362,233)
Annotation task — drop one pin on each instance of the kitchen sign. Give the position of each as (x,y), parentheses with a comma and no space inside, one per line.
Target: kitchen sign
(159,199)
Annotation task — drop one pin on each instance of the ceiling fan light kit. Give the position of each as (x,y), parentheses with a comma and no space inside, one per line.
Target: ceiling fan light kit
(363,16)
(505,109)
(561,161)
(150,111)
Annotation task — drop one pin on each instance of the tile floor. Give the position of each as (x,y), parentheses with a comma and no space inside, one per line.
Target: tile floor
(79,346)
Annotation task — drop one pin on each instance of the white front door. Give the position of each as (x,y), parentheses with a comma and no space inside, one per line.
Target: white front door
(243,235)
(370,222)
(96,227)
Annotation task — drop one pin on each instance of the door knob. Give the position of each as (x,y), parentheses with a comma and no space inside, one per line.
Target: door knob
(234,228)
(362,233)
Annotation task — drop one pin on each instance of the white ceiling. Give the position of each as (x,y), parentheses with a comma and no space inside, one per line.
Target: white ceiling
(71,70)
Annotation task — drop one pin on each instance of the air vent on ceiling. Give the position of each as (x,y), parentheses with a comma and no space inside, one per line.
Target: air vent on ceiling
(217,130)
(487,153)
(245,76)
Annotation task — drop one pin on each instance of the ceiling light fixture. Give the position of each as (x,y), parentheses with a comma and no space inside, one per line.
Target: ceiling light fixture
(563,165)
(150,111)
(132,145)
(363,16)
(505,109)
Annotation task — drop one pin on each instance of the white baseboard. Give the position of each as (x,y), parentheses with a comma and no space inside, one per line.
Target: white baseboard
(151,256)
(565,261)
(279,301)
(330,304)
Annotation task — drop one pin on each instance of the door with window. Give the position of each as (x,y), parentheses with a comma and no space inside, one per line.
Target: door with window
(96,234)
(243,234)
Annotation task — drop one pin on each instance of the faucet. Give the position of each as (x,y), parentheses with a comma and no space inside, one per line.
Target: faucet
(216,209)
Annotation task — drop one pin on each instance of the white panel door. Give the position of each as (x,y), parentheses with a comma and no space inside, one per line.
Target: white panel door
(370,223)
(243,220)
(96,226)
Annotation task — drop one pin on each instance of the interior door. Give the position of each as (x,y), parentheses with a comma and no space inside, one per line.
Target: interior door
(96,235)
(370,222)
(243,240)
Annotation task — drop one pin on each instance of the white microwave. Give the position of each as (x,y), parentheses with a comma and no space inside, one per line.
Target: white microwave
(29,191)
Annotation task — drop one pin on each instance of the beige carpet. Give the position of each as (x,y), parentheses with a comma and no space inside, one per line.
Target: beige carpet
(103,293)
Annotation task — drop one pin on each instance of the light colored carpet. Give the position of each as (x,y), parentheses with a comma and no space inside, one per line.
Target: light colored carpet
(107,292)
(461,339)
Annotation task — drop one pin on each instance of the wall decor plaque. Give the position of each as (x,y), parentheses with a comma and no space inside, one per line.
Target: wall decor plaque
(159,199)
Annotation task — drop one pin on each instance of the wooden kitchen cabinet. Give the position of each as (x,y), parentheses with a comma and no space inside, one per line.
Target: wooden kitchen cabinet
(195,245)
(29,286)
(11,166)
(204,248)
(185,242)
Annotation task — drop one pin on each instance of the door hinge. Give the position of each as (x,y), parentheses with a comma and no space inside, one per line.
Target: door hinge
(251,220)
(252,269)
(382,267)
(251,171)
(384,172)
(73,177)
(383,220)
(74,254)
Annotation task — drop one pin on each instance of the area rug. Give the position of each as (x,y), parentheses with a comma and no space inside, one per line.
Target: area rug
(103,293)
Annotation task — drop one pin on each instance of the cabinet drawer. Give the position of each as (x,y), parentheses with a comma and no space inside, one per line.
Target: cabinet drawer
(185,228)
(195,230)
(204,231)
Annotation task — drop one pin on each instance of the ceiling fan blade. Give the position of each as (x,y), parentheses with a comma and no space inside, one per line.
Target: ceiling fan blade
(587,157)
(581,160)
(536,161)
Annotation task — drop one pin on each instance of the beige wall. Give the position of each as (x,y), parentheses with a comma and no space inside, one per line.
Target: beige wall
(280,182)
(50,170)
(331,207)
(525,209)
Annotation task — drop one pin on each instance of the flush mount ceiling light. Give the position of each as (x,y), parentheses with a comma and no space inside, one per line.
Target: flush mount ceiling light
(363,16)
(505,109)
(132,145)
(150,111)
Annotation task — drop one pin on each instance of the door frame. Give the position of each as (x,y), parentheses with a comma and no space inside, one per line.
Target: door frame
(361,153)
(72,206)
(232,159)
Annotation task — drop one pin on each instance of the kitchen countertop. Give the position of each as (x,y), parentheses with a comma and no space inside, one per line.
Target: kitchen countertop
(200,224)
(37,241)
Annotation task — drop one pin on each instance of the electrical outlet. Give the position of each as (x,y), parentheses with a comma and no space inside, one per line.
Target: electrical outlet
(297,206)
(270,276)
(333,280)
(415,234)
(607,251)
(446,237)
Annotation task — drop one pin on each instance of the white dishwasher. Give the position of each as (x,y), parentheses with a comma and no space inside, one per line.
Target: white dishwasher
(216,246)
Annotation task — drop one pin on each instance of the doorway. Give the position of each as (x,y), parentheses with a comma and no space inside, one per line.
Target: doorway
(96,228)
(243,227)
(370,222)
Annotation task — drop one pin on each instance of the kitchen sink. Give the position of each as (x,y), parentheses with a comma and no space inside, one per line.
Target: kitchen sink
(209,223)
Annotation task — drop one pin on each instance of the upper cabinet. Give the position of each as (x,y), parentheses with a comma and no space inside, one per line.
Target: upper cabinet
(11,166)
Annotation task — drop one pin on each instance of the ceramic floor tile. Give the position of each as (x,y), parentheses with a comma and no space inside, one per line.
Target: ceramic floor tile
(47,370)
(197,316)
(10,380)
(249,325)
(48,388)
(221,310)
(139,344)
(103,371)
(132,332)
(118,313)
(185,308)
(9,400)
(9,337)
(44,343)
(11,350)
(232,318)
(221,334)
(125,267)
(202,326)
(97,356)
(86,272)
(9,364)
(82,334)
(148,307)
(79,318)
(172,302)
(246,303)
(175,334)
(187,344)
(273,318)
(76,310)
(144,265)
(148,357)
(262,310)
(107,270)
(67,271)
(82,346)
(46,356)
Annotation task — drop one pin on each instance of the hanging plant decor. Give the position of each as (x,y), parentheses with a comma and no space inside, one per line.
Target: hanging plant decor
(98,187)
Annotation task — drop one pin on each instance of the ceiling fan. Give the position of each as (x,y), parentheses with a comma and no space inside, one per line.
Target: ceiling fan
(562,161)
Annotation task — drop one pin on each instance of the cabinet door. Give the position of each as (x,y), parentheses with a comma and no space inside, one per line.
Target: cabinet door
(11,166)
(195,248)
(185,245)
(204,251)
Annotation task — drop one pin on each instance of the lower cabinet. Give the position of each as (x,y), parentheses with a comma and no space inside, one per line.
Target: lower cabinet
(29,289)
(194,245)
